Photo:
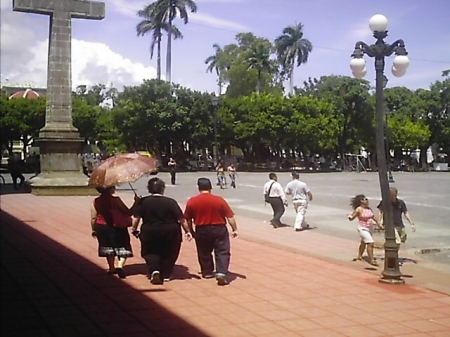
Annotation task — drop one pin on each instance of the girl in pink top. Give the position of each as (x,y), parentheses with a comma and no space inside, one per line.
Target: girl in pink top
(366,218)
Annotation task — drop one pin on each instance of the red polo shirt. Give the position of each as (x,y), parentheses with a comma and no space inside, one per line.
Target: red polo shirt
(208,209)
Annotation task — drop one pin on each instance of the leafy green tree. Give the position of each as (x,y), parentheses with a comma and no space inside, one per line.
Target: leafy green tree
(242,80)
(21,119)
(292,50)
(165,11)
(150,24)
(259,59)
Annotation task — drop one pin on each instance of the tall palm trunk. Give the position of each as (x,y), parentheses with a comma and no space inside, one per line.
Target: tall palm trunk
(158,59)
(220,83)
(291,81)
(169,53)
(258,84)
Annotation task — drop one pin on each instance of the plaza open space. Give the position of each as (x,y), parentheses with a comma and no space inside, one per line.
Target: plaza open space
(283,283)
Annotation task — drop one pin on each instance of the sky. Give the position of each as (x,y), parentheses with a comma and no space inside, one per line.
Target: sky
(110,52)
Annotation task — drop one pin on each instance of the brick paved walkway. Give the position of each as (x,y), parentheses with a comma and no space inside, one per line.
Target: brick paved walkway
(53,284)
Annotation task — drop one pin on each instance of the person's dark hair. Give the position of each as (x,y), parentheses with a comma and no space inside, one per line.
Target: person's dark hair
(355,202)
(156,186)
(295,174)
(272,175)
(100,190)
(204,184)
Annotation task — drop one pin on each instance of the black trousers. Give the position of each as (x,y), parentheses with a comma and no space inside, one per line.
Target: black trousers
(172,177)
(160,247)
(278,210)
(209,238)
(17,175)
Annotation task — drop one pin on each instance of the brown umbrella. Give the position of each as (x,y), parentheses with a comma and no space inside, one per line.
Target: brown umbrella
(122,168)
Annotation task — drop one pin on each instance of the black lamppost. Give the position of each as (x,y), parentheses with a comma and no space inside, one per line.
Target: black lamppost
(390,177)
(378,24)
(215,102)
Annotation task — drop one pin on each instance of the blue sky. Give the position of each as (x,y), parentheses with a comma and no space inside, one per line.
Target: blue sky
(109,51)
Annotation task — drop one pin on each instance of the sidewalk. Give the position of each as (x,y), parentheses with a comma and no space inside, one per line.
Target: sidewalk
(53,284)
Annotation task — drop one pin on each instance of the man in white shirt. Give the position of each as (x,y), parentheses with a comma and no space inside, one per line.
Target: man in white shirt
(301,195)
(274,195)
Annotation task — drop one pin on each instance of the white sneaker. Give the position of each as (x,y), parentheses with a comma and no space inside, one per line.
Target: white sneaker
(156,278)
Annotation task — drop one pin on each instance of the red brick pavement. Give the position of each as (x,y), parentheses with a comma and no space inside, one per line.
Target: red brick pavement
(53,284)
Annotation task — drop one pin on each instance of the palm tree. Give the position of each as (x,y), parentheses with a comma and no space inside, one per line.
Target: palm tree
(292,47)
(215,63)
(259,59)
(165,11)
(149,24)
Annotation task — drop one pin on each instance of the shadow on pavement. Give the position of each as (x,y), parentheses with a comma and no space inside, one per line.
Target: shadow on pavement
(48,290)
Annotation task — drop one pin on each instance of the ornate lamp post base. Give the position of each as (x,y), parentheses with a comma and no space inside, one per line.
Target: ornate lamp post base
(391,273)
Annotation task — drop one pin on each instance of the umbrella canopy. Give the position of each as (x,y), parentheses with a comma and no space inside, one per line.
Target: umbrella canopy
(122,168)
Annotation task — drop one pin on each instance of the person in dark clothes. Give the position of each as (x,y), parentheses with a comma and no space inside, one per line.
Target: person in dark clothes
(210,214)
(14,168)
(173,170)
(160,232)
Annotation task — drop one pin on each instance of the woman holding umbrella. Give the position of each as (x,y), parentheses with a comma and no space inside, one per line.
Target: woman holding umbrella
(112,241)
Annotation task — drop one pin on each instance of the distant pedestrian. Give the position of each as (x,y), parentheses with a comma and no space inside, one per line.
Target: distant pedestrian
(173,170)
(232,174)
(301,195)
(221,180)
(113,242)
(366,218)
(210,214)
(15,169)
(274,195)
(160,234)
(398,208)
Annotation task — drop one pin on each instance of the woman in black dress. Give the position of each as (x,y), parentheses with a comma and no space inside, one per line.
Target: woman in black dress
(160,233)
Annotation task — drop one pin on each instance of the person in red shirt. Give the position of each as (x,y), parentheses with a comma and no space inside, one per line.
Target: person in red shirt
(210,214)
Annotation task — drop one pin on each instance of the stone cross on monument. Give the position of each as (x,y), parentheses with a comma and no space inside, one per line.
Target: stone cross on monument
(59,141)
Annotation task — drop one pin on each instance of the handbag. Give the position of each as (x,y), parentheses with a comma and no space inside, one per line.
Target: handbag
(266,197)
(120,219)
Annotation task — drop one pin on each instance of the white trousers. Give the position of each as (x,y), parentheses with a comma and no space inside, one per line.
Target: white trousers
(300,207)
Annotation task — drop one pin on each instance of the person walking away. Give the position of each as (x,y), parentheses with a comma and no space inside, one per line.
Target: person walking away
(173,170)
(398,208)
(210,214)
(301,195)
(366,218)
(113,242)
(160,234)
(15,169)
(232,174)
(274,195)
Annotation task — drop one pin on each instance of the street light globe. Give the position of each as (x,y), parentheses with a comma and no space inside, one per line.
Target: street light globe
(401,62)
(357,64)
(378,23)
(359,74)
(397,72)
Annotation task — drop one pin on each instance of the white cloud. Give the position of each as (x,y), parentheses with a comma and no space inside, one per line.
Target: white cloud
(24,56)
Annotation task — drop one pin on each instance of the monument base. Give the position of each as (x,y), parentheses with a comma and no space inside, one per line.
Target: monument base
(61,183)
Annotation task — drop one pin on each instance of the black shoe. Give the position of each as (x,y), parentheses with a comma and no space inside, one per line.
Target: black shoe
(298,229)
(273,224)
(208,276)
(120,273)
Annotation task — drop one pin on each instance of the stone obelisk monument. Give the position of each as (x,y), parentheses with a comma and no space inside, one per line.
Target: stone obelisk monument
(59,141)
